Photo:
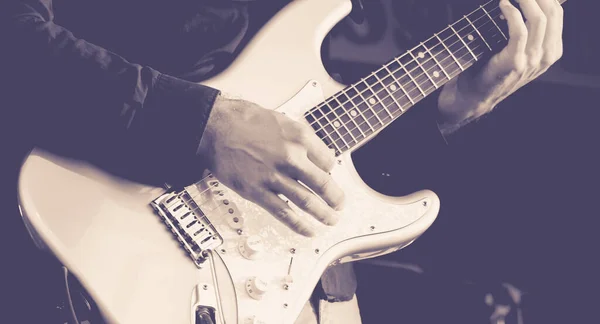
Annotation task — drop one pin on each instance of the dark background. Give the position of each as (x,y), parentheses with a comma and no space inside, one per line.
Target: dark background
(518,192)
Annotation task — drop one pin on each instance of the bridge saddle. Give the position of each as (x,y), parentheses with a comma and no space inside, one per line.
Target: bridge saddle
(184,213)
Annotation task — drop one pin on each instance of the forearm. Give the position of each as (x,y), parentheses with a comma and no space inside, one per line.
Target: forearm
(101,92)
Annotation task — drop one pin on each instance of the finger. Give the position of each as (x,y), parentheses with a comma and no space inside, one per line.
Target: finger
(517,29)
(511,60)
(323,185)
(318,152)
(306,200)
(320,182)
(553,41)
(536,22)
(283,212)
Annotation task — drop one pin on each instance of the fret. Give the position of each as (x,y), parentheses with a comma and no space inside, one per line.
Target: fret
(407,71)
(369,106)
(463,41)
(371,92)
(399,84)
(387,101)
(390,95)
(494,21)
(314,119)
(479,33)
(363,123)
(393,100)
(344,116)
(450,52)
(439,59)
(408,84)
(421,56)
(336,124)
(359,101)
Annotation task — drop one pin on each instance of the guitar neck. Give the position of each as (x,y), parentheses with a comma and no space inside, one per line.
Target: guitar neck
(352,116)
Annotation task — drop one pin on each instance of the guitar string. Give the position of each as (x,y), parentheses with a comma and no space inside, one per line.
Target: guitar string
(392,75)
(457,33)
(341,139)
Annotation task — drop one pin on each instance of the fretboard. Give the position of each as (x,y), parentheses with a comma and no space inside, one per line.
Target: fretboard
(352,116)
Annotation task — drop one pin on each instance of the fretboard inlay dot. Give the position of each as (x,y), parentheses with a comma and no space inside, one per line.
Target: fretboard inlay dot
(421,55)
(393,87)
(337,124)
(470,37)
(353,113)
(436,74)
(372,101)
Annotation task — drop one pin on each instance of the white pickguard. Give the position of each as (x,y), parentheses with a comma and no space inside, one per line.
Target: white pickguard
(104,230)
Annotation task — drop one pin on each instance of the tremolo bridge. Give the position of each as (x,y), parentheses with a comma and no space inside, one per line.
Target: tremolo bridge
(185,214)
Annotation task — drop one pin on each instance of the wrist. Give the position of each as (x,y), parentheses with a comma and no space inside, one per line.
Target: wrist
(213,125)
(457,108)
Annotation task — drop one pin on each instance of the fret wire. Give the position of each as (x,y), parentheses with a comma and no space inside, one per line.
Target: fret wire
(342,122)
(424,71)
(410,76)
(477,30)
(386,67)
(494,21)
(391,96)
(462,40)
(359,111)
(377,98)
(336,129)
(436,61)
(399,83)
(322,128)
(360,93)
(451,54)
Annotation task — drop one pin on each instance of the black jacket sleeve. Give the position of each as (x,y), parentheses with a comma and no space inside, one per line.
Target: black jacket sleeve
(81,97)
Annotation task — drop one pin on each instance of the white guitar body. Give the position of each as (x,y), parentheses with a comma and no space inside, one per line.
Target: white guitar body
(105,231)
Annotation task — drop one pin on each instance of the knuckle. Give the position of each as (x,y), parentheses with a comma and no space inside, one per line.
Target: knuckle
(323,184)
(306,202)
(519,64)
(285,215)
(290,157)
(272,178)
(533,61)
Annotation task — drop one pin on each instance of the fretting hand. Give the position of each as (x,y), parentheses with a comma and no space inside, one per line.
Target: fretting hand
(535,43)
(260,153)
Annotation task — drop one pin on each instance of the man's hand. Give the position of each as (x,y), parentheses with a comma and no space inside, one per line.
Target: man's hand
(260,154)
(535,43)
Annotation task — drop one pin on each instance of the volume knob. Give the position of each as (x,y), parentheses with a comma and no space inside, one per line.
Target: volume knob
(257,287)
(251,247)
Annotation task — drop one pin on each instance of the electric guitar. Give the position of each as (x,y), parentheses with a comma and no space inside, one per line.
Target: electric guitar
(155,255)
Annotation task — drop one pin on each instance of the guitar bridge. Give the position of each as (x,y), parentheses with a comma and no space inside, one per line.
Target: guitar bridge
(181,213)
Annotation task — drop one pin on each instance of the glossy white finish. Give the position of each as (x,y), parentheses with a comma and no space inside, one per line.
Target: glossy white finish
(104,230)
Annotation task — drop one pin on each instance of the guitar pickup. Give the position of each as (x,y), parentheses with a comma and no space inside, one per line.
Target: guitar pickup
(188,223)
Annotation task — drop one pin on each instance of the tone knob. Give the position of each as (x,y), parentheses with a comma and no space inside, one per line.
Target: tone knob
(257,287)
(251,247)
